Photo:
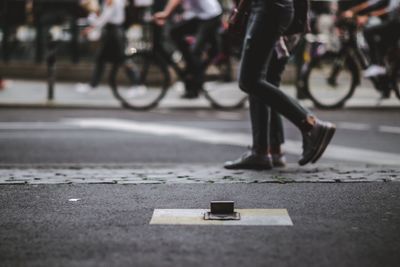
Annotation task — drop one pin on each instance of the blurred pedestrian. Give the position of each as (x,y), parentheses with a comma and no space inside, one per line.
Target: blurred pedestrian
(112,41)
(201,18)
(269,20)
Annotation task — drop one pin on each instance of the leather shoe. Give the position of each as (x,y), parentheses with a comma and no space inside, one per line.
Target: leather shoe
(250,161)
(316,140)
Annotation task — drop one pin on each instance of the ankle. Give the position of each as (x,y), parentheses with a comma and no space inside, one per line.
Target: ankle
(275,150)
(259,151)
(308,123)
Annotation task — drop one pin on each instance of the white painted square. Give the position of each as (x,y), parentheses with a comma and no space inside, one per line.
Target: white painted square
(251,217)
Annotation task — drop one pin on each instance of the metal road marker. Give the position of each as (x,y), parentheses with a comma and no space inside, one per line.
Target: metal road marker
(248,217)
(222,210)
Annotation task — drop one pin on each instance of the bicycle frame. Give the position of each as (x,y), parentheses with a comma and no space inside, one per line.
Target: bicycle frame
(160,51)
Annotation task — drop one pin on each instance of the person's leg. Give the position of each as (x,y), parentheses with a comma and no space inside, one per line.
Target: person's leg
(390,36)
(373,38)
(379,38)
(97,73)
(276,132)
(267,22)
(99,63)
(265,137)
(257,158)
(178,34)
(266,128)
(206,32)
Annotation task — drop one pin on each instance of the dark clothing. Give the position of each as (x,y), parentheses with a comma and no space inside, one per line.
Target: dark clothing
(112,43)
(266,124)
(267,22)
(344,5)
(112,49)
(381,37)
(300,22)
(205,32)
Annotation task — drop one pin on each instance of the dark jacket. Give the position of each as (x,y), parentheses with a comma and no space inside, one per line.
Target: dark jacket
(300,23)
(240,15)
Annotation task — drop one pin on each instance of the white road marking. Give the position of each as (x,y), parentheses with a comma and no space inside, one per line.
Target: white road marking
(389,129)
(228,116)
(336,152)
(249,217)
(353,126)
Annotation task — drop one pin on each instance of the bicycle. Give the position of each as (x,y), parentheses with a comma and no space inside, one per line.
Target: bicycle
(329,78)
(150,68)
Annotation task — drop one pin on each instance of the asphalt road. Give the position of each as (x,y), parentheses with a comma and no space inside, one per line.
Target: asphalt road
(42,135)
(334,225)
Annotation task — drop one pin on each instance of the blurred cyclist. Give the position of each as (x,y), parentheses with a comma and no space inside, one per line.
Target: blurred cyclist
(379,37)
(201,18)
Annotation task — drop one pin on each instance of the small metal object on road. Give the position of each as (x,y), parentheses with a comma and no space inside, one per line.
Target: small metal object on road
(74,199)
(222,210)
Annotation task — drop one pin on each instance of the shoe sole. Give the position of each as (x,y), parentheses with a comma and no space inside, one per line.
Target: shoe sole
(326,139)
(257,167)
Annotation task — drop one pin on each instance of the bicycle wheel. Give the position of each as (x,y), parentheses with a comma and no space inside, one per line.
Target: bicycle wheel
(141,82)
(222,91)
(330,80)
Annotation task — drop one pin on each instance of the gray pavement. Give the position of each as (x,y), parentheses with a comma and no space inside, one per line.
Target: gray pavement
(34,93)
(190,173)
(73,196)
(347,224)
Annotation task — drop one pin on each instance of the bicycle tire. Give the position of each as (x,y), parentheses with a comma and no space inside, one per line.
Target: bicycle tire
(326,90)
(149,84)
(223,91)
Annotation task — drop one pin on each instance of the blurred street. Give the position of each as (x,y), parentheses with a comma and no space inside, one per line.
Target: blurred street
(84,181)
(79,187)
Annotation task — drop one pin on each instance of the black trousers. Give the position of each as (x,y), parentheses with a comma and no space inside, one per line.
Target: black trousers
(267,22)
(112,50)
(266,123)
(381,37)
(205,32)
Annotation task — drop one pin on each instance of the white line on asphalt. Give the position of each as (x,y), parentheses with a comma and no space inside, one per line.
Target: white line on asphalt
(228,116)
(341,153)
(389,129)
(366,127)
(353,126)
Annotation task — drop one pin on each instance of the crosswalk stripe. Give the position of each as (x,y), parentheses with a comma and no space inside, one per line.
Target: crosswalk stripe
(389,129)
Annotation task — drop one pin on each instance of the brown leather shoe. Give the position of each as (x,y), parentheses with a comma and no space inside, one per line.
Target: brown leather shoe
(315,140)
(250,161)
